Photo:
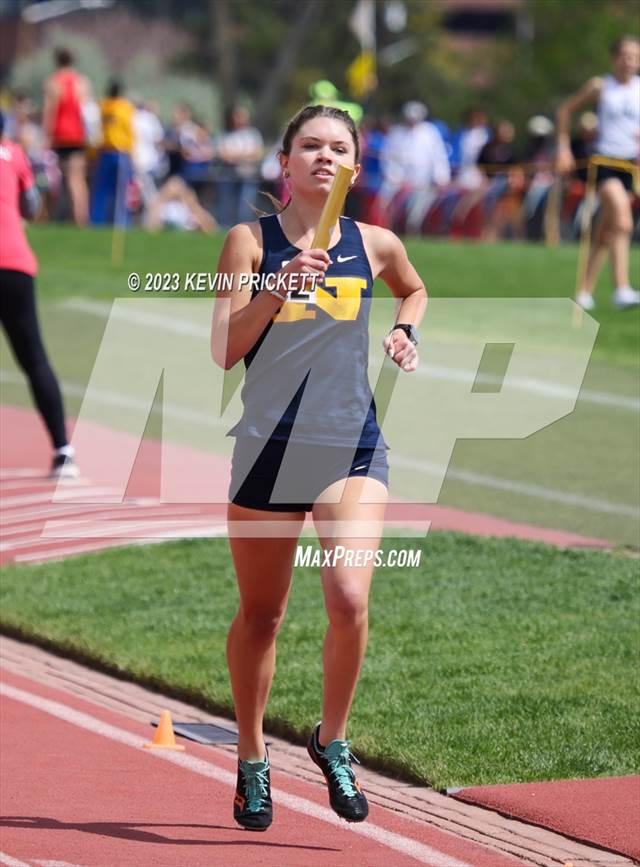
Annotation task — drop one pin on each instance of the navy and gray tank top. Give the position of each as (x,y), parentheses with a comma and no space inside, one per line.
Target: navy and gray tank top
(306,376)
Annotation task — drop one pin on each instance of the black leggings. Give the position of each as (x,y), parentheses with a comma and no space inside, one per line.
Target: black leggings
(20,321)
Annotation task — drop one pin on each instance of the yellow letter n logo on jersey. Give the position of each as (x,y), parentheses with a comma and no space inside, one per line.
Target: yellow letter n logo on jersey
(344,306)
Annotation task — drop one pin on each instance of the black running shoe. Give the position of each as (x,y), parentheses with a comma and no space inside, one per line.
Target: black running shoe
(252,807)
(345,794)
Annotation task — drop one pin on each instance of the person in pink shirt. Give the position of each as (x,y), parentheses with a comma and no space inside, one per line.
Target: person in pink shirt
(19,199)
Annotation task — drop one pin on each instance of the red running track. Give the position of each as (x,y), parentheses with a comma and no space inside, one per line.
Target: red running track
(78,788)
(604,811)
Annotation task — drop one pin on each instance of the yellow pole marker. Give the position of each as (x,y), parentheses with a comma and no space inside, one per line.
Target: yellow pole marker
(332,208)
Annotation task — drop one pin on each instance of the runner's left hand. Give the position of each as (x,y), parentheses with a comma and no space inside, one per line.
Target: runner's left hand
(401,350)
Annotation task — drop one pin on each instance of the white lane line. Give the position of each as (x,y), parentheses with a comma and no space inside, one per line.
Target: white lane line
(80,494)
(19,473)
(17,514)
(594,504)
(54,863)
(122,531)
(413,848)
(11,862)
(528,384)
(44,482)
(103,309)
(26,523)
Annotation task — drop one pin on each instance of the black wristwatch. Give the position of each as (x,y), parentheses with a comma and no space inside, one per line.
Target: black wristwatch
(410,331)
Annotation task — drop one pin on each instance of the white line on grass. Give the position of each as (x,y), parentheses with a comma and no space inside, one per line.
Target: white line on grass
(594,504)
(413,848)
(431,371)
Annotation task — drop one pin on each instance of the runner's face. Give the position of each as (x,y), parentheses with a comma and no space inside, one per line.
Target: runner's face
(627,61)
(320,145)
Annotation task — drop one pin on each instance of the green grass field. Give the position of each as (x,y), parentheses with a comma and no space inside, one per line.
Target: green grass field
(494,661)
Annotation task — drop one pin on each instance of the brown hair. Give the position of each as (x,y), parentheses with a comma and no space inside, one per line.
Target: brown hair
(617,45)
(62,57)
(293,128)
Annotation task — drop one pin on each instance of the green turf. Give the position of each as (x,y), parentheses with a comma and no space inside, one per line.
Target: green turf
(494,661)
(78,263)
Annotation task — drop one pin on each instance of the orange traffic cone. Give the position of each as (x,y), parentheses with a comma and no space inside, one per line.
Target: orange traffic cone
(164,738)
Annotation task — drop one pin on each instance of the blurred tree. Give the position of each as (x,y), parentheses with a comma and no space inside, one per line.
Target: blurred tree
(267,53)
(564,43)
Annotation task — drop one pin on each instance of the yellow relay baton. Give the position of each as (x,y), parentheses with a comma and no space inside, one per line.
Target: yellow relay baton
(332,208)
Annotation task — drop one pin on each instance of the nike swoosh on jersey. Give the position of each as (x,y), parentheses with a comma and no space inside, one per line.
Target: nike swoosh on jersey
(342,259)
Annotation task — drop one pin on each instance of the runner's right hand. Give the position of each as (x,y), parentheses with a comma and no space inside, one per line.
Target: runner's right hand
(312,262)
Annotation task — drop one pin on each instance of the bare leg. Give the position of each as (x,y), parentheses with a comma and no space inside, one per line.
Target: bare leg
(613,192)
(263,568)
(77,181)
(597,254)
(613,233)
(346,591)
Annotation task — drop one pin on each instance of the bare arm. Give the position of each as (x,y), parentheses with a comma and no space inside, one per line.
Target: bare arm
(393,266)
(48,107)
(29,203)
(237,325)
(589,92)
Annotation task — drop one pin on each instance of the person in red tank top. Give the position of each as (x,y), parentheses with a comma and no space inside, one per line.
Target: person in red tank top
(65,92)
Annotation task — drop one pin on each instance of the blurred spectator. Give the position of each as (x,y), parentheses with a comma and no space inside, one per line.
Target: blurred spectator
(583,143)
(466,145)
(22,127)
(197,155)
(499,150)
(325,93)
(539,152)
(113,170)
(503,200)
(239,150)
(65,94)
(176,206)
(414,162)
(180,129)
(373,135)
(147,156)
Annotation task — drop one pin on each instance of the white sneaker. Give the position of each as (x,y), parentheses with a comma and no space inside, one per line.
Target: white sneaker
(625,296)
(585,300)
(63,467)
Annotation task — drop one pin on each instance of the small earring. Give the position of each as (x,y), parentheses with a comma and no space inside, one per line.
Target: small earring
(285,173)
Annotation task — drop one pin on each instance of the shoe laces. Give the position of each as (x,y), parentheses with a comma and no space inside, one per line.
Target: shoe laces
(339,758)
(256,784)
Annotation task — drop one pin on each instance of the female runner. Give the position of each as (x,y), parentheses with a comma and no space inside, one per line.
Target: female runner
(335,463)
(618,97)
